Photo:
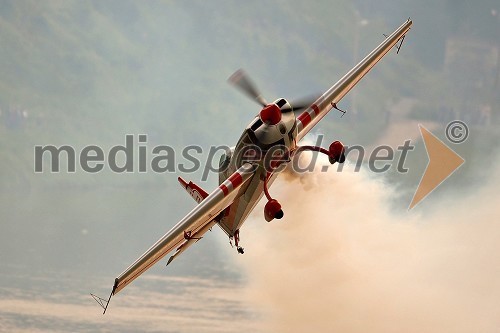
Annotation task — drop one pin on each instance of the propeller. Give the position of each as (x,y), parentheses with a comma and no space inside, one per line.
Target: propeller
(242,81)
(300,104)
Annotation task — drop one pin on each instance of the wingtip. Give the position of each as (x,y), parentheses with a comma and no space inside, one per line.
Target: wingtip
(102,301)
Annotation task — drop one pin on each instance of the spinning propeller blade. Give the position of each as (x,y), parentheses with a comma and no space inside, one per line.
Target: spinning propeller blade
(241,80)
(300,104)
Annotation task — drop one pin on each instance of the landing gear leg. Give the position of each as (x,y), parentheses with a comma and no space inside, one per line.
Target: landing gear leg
(335,153)
(237,242)
(272,209)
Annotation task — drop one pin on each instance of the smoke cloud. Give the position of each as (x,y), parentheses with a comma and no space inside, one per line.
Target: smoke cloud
(341,260)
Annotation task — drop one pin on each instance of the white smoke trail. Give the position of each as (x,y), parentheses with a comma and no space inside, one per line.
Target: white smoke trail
(341,261)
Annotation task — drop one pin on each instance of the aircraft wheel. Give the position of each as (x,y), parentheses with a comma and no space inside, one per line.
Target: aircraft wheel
(272,210)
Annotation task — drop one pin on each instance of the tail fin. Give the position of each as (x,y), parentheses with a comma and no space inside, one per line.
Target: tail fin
(196,192)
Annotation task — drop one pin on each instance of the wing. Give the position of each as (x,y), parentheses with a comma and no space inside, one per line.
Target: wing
(312,115)
(191,228)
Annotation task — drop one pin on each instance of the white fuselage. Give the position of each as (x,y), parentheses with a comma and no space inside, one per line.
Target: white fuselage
(257,140)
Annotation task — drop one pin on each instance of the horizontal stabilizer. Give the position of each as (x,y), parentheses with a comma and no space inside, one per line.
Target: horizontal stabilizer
(196,192)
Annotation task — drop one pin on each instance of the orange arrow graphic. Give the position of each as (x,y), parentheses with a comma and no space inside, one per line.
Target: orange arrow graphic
(443,161)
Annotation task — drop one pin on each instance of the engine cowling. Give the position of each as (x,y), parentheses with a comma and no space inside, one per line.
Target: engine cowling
(336,152)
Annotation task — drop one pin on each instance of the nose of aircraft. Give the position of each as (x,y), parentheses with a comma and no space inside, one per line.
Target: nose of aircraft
(270,114)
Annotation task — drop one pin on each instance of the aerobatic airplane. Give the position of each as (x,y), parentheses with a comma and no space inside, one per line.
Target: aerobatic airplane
(267,144)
